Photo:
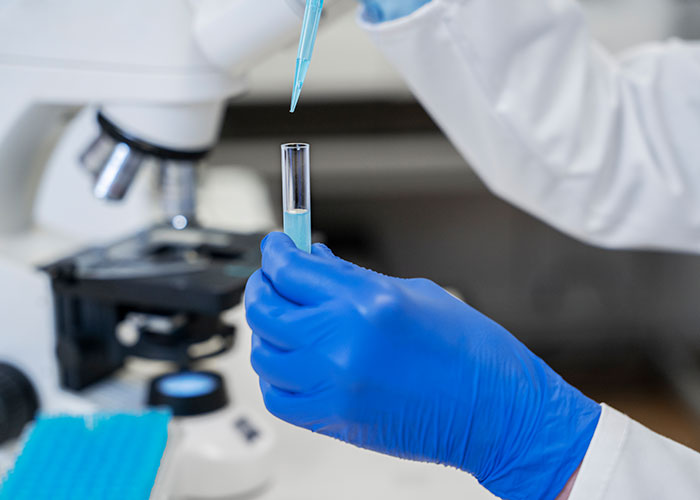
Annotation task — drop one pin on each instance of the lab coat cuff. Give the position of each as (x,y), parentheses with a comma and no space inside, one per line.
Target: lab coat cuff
(603,454)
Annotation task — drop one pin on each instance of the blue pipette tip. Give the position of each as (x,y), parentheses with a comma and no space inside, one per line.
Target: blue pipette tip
(307,40)
(299,76)
(295,99)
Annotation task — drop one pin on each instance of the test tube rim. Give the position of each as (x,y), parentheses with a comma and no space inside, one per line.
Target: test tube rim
(295,145)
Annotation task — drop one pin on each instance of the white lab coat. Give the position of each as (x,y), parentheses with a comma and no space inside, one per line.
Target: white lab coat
(607,150)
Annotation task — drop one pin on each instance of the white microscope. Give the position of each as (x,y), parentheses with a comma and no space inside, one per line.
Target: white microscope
(121,87)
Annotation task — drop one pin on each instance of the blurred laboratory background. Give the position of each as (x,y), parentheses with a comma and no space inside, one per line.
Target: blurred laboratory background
(391,193)
(115,302)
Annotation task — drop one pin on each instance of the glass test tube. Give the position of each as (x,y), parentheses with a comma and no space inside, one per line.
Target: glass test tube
(296,194)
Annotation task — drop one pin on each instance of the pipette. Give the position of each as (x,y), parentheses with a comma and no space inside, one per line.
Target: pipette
(309,28)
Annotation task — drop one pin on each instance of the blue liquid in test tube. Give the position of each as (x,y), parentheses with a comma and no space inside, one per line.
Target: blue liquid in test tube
(297,224)
(296,194)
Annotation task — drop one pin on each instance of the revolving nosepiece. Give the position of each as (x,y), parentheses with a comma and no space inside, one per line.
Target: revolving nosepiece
(114,159)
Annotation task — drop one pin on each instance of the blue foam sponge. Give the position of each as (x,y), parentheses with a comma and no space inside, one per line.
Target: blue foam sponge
(104,456)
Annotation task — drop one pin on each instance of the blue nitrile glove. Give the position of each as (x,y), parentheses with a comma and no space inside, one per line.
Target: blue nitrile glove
(378,11)
(404,368)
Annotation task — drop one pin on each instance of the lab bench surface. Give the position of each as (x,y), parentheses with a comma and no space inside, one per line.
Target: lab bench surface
(314,467)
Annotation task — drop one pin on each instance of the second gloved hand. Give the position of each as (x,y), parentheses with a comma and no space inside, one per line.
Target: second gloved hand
(378,11)
(404,368)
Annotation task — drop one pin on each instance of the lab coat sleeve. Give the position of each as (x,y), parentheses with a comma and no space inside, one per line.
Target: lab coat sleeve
(627,461)
(607,150)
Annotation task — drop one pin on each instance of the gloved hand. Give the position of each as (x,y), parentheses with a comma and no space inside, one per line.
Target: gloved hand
(404,368)
(378,11)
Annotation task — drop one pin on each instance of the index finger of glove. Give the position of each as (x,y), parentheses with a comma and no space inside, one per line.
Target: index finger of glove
(305,279)
(298,371)
(267,312)
(283,324)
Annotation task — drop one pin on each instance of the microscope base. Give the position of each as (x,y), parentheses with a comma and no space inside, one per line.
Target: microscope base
(222,455)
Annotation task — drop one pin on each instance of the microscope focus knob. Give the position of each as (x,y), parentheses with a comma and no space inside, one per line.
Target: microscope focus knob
(18,402)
